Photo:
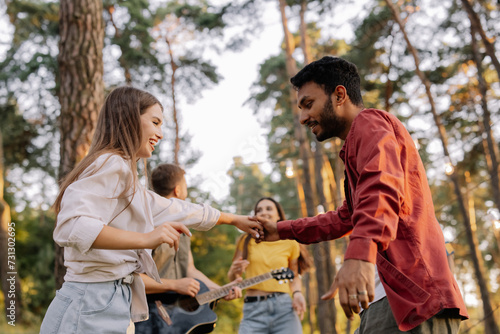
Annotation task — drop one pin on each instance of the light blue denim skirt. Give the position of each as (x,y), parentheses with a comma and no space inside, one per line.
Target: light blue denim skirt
(102,307)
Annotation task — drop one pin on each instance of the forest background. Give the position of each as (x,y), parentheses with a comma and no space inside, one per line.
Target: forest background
(432,64)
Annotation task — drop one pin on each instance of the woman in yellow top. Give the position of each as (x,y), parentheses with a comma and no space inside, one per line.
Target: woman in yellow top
(268,307)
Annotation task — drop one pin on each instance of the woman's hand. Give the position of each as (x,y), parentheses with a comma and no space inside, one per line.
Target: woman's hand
(299,304)
(237,268)
(247,224)
(167,233)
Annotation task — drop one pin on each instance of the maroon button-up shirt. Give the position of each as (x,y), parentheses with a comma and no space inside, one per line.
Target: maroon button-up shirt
(390,216)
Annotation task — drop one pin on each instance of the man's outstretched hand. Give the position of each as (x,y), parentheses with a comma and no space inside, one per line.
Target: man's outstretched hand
(270,230)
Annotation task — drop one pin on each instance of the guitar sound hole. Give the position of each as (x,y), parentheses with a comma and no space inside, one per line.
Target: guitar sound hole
(189,304)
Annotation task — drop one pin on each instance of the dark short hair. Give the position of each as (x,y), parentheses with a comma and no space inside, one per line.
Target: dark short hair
(330,72)
(165,177)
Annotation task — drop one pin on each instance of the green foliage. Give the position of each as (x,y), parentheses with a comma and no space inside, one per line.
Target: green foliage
(35,23)
(195,75)
(213,252)
(200,16)
(33,19)
(27,86)
(130,23)
(247,186)
(17,135)
(35,261)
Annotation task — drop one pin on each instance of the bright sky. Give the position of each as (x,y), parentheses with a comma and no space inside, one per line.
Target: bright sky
(220,125)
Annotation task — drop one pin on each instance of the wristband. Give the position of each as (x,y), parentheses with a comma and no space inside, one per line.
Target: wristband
(293,293)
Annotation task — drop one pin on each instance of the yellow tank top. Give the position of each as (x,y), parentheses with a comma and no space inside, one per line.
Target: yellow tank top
(267,256)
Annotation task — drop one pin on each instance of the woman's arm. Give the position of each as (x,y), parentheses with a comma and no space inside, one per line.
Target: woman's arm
(238,266)
(114,238)
(298,300)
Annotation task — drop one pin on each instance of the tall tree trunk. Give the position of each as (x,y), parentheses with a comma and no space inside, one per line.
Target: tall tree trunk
(304,38)
(306,280)
(11,286)
(491,151)
(299,130)
(300,189)
(320,258)
(325,267)
(81,86)
(174,67)
(490,324)
(475,22)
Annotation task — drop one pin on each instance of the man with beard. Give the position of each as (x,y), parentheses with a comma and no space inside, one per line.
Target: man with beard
(395,269)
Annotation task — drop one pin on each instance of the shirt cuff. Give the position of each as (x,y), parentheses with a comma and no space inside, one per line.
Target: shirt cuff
(361,249)
(84,233)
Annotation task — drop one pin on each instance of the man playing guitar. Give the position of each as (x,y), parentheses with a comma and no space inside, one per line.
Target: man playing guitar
(176,268)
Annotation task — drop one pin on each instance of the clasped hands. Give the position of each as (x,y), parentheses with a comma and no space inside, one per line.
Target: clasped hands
(169,232)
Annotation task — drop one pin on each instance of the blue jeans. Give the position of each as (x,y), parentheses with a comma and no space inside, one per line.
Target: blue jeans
(270,316)
(85,308)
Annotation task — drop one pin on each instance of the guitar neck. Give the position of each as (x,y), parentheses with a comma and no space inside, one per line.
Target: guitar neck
(210,296)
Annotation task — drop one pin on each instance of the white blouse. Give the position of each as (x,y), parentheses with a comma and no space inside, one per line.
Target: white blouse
(95,200)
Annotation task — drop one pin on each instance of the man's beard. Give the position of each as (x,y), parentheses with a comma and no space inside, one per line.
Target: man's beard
(331,124)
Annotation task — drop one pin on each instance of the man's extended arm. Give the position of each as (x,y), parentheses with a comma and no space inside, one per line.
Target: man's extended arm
(327,226)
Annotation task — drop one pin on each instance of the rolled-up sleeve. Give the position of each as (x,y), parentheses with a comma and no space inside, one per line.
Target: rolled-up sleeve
(91,202)
(200,217)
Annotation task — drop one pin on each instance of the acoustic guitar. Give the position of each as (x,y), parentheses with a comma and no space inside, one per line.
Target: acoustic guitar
(173,313)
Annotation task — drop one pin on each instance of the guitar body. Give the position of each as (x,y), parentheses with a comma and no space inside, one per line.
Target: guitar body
(186,314)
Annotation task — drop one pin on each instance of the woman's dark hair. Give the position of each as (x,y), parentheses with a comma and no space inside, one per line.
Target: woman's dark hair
(279,208)
(330,72)
(304,259)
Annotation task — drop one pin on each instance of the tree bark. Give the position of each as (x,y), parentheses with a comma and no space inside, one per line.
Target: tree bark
(490,325)
(81,86)
(299,130)
(11,285)
(325,267)
(321,258)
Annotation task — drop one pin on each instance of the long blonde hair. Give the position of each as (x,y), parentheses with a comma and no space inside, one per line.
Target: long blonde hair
(118,131)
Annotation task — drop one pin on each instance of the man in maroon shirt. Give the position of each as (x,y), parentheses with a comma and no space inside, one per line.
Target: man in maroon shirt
(396,259)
